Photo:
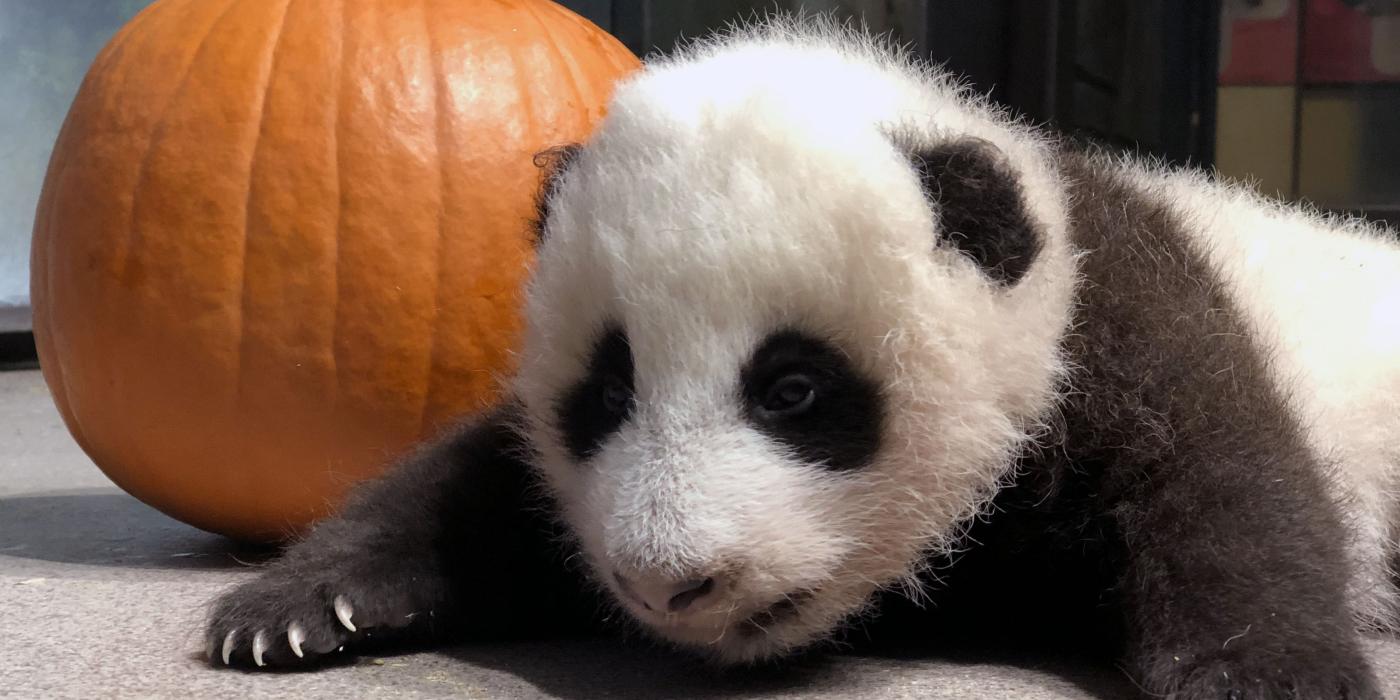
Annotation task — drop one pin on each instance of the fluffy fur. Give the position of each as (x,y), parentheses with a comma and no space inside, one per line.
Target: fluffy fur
(1080,392)
(666,221)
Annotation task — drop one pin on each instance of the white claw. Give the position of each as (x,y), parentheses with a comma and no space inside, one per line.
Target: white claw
(343,611)
(295,636)
(228,645)
(259,646)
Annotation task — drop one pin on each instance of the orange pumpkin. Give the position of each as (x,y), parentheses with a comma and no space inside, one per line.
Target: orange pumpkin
(280,241)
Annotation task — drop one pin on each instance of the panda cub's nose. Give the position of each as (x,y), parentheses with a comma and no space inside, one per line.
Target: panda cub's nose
(667,596)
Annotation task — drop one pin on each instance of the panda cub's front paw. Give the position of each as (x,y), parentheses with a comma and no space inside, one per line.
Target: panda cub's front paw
(279,621)
(1324,675)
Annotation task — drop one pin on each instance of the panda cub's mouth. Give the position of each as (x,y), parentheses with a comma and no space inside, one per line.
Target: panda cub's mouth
(782,611)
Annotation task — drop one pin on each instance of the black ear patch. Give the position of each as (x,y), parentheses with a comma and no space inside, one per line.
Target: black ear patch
(980,206)
(552,164)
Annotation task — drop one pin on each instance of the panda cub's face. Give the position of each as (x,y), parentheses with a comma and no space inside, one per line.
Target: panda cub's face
(758,385)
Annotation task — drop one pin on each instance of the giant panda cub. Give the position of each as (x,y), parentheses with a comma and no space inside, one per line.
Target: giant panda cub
(818,341)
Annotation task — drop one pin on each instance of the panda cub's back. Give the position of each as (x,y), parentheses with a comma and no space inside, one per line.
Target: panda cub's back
(1315,301)
(1321,295)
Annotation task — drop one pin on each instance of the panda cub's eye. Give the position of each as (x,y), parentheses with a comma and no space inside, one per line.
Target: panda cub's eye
(788,396)
(602,399)
(801,391)
(616,395)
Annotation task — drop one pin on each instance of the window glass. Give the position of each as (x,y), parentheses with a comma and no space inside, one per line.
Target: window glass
(45,49)
(1309,101)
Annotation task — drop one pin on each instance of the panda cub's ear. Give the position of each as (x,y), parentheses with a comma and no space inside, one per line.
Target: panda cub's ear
(978,206)
(552,164)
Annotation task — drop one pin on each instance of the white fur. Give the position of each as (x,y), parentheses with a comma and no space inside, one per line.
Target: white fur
(755,183)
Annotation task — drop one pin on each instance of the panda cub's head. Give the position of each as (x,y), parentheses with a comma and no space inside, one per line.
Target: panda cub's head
(796,307)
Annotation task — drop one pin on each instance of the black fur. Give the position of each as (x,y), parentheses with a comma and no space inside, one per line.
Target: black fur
(552,164)
(841,430)
(1230,567)
(455,542)
(586,417)
(980,207)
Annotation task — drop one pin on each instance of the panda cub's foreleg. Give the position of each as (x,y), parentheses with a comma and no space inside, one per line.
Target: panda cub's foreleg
(1236,580)
(448,543)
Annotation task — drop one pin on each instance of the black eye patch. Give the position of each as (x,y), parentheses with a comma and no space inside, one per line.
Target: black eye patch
(602,401)
(802,392)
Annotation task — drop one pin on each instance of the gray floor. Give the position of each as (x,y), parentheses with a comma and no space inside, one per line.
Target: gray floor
(101,596)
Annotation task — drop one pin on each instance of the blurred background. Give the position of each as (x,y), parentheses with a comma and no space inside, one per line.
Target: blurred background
(1300,97)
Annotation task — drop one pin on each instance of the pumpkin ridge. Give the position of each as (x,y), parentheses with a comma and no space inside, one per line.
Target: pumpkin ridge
(41,315)
(248,199)
(106,59)
(158,132)
(440,106)
(579,24)
(336,141)
(59,165)
(525,99)
(565,57)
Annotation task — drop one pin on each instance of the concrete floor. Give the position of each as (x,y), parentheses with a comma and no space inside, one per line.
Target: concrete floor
(101,596)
